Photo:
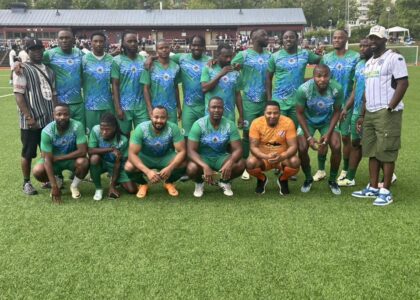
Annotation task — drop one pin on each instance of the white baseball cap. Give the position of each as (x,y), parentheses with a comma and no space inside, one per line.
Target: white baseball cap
(378,31)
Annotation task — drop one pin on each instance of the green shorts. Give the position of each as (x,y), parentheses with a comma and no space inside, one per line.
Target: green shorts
(252,111)
(132,118)
(77,112)
(216,163)
(173,116)
(108,167)
(291,113)
(157,162)
(190,114)
(345,125)
(93,117)
(60,166)
(323,129)
(354,134)
(382,135)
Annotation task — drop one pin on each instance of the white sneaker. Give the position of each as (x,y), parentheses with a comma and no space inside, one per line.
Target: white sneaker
(319,175)
(226,187)
(75,193)
(343,175)
(346,182)
(199,190)
(98,195)
(245,175)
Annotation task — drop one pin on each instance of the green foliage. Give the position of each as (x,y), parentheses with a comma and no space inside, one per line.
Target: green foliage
(359,33)
(408,15)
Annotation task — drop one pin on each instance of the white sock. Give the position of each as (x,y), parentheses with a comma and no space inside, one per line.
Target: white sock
(76,181)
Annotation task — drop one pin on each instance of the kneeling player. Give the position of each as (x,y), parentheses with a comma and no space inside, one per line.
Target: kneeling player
(108,153)
(157,150)
(214,145)
(273,145)
(63,147)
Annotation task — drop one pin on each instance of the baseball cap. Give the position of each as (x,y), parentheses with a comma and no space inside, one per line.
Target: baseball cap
(34,43)
(378,31)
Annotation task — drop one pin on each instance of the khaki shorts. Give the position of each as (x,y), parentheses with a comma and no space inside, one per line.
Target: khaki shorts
(382,135)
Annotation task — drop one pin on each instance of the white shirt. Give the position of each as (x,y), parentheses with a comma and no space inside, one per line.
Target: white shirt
(12,55)
(23,55)
(379,74)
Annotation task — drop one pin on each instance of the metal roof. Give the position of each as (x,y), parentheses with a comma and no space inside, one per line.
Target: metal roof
(153,18)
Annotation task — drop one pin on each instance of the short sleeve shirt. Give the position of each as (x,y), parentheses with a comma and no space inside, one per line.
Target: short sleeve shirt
(191,70)
(68,71)
(97,141)
(254,73)
(289,73)
(381,74)
(273,139)
(97,81)
(128,72)
(226,88)
(319,107)
(213,142)
(156,145)
(342,69)
(359,88)
(60,144)
(163,82)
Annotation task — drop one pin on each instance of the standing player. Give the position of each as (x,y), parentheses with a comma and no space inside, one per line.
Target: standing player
(214,145)
(222,80)
(157,150)
(126,70)
(287,67)
(386,80)
(12,58)
(66,62)
(342,64)
(35,96)
(192,65)
(356,103)
(273,146)
(318,105)
(253,63)
(63,146)
(97,81)
(108,151)
(161,84)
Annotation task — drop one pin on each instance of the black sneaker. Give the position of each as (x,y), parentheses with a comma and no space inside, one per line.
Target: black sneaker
(335,189)
(260,189)
(283,186)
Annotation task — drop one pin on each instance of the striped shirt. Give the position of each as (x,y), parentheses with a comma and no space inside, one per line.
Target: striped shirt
(381,74)
(37,94)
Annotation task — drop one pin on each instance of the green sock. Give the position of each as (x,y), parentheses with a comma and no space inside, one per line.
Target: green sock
(137,177)
(333,175)
(176,174)
(345,164)
(245,147)
(308,173)
(321,161)
(351,174)
(95,174)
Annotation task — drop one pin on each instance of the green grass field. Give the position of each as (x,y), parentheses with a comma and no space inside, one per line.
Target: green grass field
(314,246)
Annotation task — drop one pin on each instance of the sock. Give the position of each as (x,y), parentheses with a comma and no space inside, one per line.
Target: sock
(257,173)
(95,174)
(288,172)
(333,175)
(351,174)
(176,174)
(321,161)
(137,177)
(76,181)
(308,173)
(245,147)
(345,164)
(25,180)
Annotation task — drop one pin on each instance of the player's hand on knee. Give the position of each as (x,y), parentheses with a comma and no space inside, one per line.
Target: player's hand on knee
(153,176)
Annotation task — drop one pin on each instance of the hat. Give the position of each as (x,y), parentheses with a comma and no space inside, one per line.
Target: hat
(378,31)
(33,43)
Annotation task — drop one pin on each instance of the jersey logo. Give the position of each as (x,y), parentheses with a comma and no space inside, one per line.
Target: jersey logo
(282,133)
(70,62)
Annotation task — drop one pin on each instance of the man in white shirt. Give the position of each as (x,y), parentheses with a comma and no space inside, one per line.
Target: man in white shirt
(386,80)
(12,58)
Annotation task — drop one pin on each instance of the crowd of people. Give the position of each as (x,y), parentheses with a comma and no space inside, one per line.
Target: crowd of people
(97,113)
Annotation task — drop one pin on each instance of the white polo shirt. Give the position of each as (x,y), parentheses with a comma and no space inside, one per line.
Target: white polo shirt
(380,75)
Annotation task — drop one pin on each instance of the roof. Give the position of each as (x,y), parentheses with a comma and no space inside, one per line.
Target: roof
(397,29)
(153,18)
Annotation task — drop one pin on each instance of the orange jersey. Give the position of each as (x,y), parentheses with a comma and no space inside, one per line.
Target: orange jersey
(273,139)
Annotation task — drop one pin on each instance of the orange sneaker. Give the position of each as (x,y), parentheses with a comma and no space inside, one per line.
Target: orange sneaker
(170,187)
(142,191)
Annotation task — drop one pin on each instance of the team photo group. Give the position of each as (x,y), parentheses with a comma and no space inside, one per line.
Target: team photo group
(208,120)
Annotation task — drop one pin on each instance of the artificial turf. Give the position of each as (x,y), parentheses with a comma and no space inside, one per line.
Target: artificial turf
(313,245)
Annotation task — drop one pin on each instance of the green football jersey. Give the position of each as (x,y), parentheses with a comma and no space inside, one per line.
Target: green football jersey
(97,141)
(213,142)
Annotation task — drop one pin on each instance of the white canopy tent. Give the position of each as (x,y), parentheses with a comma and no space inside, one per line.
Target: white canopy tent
(397,29)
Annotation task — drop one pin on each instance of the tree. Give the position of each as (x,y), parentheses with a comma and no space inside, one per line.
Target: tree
(52,4)
(5,4)
(88,4)
(376,9)
(408,15)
